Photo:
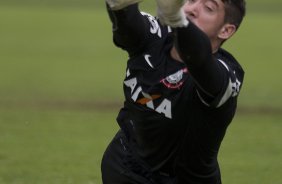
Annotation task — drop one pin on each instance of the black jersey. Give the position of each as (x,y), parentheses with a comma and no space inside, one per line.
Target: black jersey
(174,124)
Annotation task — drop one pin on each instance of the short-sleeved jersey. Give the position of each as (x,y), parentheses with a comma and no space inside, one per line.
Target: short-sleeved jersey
(172,125)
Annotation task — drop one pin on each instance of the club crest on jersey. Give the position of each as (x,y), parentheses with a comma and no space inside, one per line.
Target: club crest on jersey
(174,81)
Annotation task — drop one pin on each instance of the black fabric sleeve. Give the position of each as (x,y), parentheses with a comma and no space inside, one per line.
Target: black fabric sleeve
(195,49)
(129,28)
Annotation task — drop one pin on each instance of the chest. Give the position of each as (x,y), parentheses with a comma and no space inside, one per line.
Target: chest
(156,82)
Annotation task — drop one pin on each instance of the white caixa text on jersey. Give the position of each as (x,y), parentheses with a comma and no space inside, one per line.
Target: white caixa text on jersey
(143,98)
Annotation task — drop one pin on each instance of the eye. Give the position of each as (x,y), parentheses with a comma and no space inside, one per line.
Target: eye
(209,8)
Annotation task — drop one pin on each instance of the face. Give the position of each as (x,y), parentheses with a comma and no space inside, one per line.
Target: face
(208,15)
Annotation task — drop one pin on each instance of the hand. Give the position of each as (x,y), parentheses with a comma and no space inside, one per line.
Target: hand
(120,4)
(170,13)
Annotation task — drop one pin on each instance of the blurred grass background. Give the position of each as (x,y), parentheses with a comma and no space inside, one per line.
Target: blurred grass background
(61,88)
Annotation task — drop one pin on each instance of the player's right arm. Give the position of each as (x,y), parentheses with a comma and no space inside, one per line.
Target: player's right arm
(129,26)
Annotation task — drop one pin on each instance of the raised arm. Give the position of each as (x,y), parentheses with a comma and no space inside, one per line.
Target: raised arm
(129,26)
(194,48)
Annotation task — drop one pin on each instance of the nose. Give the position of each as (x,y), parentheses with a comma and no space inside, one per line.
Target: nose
(191,10)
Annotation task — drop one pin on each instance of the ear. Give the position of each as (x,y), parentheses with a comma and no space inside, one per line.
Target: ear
(227,31)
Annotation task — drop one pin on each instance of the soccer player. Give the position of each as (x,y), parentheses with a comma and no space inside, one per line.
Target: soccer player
(180,90)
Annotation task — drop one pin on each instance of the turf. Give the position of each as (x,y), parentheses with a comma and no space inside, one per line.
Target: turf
(60,90)
(53,147)
(58,53)
(251,151)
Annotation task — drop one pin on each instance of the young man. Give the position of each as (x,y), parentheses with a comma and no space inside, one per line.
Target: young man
(180,91)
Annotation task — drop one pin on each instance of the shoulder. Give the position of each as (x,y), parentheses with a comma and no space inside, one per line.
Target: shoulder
(234,77)
(226,57)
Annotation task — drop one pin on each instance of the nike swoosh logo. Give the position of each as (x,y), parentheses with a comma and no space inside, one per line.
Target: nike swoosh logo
(147,56)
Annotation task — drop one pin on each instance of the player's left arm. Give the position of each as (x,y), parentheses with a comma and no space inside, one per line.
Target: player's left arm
(218,76)
(214,79)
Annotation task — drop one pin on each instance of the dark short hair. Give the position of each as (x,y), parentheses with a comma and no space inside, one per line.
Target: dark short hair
(235,11)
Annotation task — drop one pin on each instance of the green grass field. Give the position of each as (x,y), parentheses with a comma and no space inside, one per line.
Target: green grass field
(60,91)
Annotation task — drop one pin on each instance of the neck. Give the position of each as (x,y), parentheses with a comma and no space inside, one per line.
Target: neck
(215,46)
